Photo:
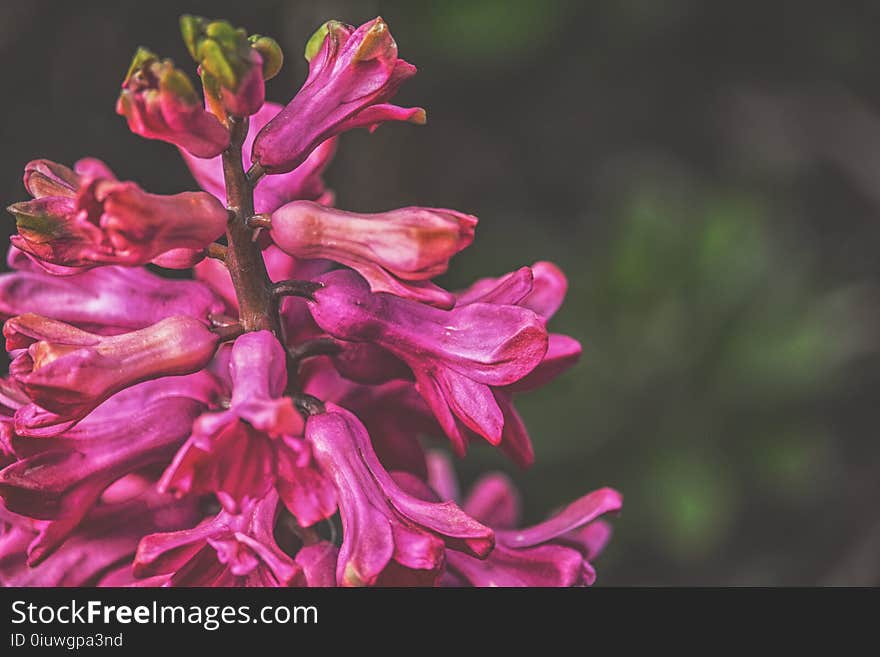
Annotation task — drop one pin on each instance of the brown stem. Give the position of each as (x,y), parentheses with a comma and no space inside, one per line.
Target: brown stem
(217,251)
(255,173)
(295,288)
(260,221)
(244,260)
(308,405)
(313,347)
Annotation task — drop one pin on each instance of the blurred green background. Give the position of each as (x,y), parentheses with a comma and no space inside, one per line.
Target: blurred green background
(707,174)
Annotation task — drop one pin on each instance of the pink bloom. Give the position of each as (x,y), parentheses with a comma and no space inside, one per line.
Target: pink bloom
(159,102)
(106,299)
(457,356)
(393,413)
(227,550)
(67,372)
(86,220)
(397,251)
(390,537)
(244,451)
(59,479)
(540,288)
(271,192)
(556,552)
(107,537)
(318,562)
(351,78)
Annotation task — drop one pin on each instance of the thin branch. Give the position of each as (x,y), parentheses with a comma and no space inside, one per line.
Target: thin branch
(226,330)
(313,347)
(295,288)
(261,220)
(255,173)
(244,259)
(308,405)
(217,251)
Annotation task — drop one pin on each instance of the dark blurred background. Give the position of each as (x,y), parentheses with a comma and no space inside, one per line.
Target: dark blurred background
(708,175)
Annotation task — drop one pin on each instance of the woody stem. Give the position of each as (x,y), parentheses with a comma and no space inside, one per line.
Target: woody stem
(253,287)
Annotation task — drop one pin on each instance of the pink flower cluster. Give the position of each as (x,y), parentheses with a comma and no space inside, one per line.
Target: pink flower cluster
(263,423)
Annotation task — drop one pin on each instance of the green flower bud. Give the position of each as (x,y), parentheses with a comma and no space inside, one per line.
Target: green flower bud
(271,53)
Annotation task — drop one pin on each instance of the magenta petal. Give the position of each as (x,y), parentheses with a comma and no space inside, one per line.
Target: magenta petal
(318,562)
(441,476)
(396,252)
(305,491)
(60,479)
(105,221)
(227,550)
(563,353)
(69,372)
(578,513)
(156,107)
(108,537)
(380,520)
(455,355)
(271,192)
(507,290)
(353,71)
(542,565)
(105,298)
(515,440)
(494,501)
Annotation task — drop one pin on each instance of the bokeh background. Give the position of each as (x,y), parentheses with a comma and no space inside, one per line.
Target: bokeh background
(708,175)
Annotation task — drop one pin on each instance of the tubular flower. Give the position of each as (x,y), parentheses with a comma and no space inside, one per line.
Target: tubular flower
(540,288)
(107,537)
(391,538)
(67,372)
(352,75)
(78,219)
(106,299)
(305,182)
(159,102)
(556,552)
(261,419)
(393,413)
(456,356)
(396,251)
(244,451)
(59,479)
(227,550)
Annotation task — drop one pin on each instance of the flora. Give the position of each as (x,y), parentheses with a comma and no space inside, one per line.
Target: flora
(263,423)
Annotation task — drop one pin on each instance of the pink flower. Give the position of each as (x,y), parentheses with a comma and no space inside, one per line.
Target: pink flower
(159,102)
(59,479)
(556,552)
(106,299)
(318,562)
(390,537)
(457,356)
(352,75)
(67,372)
(78,219)
(106,538)
(227,550)
(393,413)
(243,452)
(540,288)
(305,182)
(397,251)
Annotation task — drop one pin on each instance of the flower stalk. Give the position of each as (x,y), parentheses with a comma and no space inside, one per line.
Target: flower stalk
(243,259)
